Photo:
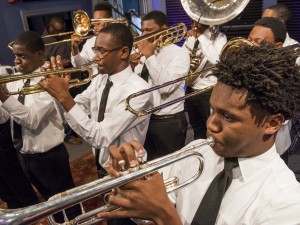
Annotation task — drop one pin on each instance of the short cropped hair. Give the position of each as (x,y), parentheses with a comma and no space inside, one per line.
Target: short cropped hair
(277,27)
(120,33)
(104,6)
(270,76)
(32,41)
(56,19)
(159,17)
(281,12)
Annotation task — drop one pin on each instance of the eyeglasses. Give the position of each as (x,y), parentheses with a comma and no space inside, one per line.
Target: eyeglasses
(101,52)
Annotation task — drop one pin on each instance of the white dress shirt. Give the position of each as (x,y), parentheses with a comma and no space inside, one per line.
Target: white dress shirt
(169,63)
(42,127)
(118,125)
(263,189)
(86,55)
(283,138)
(211,51)
(289,41)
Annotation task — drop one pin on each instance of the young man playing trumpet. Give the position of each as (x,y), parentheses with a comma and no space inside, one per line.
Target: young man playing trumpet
(168,126)
(98,114)
(244,180)
(38,132)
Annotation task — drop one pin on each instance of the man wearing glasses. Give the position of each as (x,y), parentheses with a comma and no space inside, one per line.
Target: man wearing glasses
(114,125)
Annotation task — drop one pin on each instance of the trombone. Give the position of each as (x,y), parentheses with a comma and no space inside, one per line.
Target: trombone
(167,36)
(231,46)
(142,92)
(77,195)
(81,26)
(31,89)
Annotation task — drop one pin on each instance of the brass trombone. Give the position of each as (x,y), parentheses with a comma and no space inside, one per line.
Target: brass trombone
(167,36)
(231,46)
(81,26)
(77,195)
(31,89)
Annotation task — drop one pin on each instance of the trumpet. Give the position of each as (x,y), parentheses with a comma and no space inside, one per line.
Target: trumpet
(82,26)
(231,46)
(77,195)
(31,89)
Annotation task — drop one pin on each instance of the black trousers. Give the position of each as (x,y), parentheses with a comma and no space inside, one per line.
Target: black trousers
(15,188)
(198,110)
(50,173)
(165,134)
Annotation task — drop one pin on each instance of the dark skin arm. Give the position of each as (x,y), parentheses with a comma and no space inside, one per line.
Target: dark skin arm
(58,87)
(145,199)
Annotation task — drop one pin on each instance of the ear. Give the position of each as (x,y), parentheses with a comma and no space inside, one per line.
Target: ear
(279,45)
(273,123)
(125,53)
(164,26)
(40,54)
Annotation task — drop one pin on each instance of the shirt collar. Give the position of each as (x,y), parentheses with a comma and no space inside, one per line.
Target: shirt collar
(249,167)
(119,78)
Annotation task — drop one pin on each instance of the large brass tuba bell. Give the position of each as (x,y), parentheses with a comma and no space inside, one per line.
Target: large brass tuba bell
(209,12)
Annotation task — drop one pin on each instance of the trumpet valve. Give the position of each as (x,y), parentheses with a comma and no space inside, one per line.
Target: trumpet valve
(123,170)
(143,163)
(134,167)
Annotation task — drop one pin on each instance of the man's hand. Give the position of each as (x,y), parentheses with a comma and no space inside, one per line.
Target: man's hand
(144,199)
(75,41)
(127,152)
(58,85)
(148,48)
(3,93)
(135,59)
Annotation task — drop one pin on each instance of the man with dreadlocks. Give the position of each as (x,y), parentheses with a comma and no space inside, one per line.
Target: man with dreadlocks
(257,90)
(273,31)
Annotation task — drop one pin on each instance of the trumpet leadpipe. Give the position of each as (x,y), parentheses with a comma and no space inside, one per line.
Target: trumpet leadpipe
(84,192)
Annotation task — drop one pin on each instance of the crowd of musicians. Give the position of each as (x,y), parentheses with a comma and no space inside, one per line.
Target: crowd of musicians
(251,109)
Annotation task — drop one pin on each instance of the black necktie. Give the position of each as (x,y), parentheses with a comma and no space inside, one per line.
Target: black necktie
(17,133)
(145,73)
(103,102)
(196,44)
(209,207)
(295,129)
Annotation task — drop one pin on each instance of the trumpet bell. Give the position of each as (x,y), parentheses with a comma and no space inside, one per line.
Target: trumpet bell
(212,12)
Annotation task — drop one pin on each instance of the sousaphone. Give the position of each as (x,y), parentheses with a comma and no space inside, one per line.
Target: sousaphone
(213,12)
(209,12)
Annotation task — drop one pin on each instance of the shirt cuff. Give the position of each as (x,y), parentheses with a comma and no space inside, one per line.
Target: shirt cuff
(150,61)
(75,115)
(11,104)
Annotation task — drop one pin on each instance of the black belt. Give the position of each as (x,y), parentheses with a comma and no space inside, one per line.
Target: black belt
(170,116)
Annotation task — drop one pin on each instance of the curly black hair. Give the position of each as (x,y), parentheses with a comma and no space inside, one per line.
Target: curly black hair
(282,12)
(159,17)
(270,76)
(104,6)
(31,40)
(120,33)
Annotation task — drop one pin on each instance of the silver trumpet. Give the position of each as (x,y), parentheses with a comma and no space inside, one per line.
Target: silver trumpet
(82,193)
